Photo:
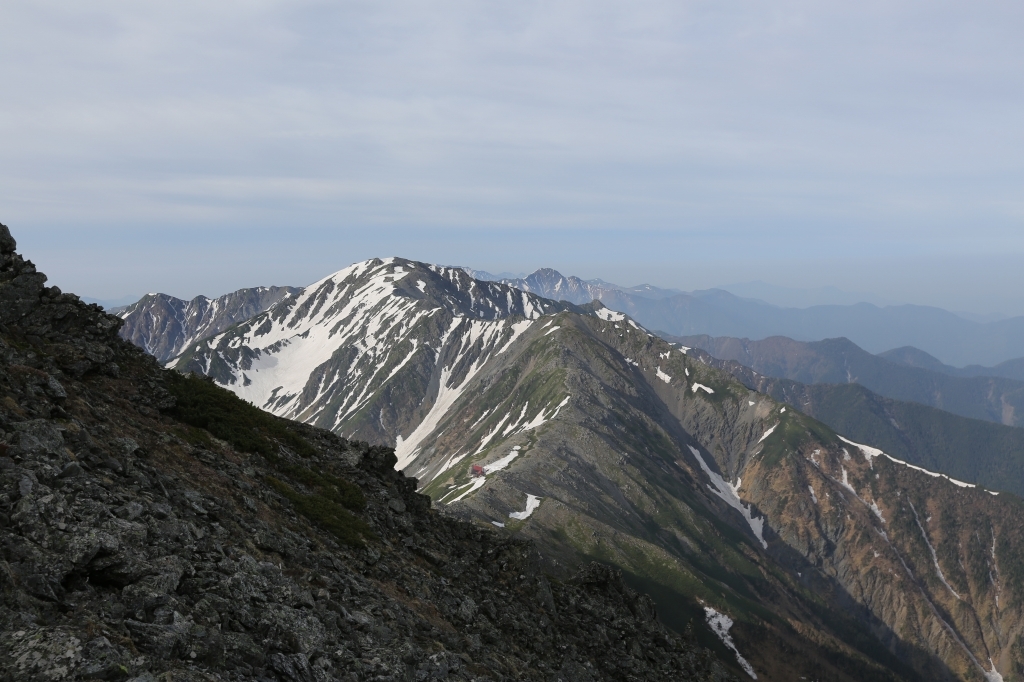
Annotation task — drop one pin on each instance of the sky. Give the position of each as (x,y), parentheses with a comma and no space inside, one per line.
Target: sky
(196,147)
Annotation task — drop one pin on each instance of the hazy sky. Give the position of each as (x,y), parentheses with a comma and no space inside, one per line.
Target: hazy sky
(197,147)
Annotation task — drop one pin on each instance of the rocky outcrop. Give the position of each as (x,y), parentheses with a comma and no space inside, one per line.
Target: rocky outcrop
(163,325)
(137,545)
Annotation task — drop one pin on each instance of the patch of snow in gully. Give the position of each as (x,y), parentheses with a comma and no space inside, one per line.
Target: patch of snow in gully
(767,433)
(720,624)
(730,494)
(532,502)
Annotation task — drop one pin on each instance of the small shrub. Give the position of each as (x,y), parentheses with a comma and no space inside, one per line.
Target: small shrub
(336,489)
(203,404)
(326,513)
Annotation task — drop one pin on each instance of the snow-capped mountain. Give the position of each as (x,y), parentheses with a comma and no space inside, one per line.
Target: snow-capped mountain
(552,284)
(360,351)
(163,325)
(576,427)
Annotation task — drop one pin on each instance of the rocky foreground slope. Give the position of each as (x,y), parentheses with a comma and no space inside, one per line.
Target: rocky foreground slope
(154,526)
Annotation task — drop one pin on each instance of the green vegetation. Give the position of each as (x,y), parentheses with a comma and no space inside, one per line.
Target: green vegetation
(328,486)
(203,404)
(205,407)
(793,431)
(325,509)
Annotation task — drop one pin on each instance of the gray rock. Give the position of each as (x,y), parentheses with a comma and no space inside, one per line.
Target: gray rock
(40,654)
(101,660)
(55,389)
(295,667)
(7,243)
(124,446)
(39,437)
(71,470)
(161,641)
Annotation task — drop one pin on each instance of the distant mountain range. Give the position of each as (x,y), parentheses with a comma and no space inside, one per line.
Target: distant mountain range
(915,357)
(801,297)
(945,335)
(552,284)
(840,361)
(576,427)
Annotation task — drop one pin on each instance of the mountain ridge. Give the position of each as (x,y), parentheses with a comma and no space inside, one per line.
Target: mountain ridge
(717,312)
(599,440)
(915,357)
(154,526)
(163,325)
(838,361)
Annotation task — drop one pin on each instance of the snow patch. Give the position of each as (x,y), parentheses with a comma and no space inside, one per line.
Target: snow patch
(532,502)
(720,624)
(846,484)
(813,497)
(767,433)
(870,452)
(517,329)
(730,494)
(407,449)
(935,558)
(475,485)
(702,387)
(609,315)
(664,377)
(502,463)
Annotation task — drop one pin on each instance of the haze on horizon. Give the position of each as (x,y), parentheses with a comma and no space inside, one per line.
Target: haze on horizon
(198,148)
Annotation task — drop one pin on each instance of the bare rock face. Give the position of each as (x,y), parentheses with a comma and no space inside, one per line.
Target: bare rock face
(164,326)
(140,542)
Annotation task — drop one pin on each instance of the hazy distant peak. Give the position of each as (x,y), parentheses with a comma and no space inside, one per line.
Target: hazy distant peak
(799,297)
(914,357)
